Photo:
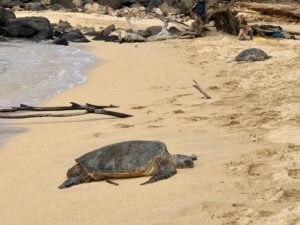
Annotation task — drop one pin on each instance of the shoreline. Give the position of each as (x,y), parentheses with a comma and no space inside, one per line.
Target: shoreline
(86,61)
(239,176)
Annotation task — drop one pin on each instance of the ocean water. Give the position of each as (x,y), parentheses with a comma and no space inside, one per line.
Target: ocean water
(31,72)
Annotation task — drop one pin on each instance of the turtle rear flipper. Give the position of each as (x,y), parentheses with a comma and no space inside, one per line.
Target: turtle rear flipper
(165,171)
(74,181)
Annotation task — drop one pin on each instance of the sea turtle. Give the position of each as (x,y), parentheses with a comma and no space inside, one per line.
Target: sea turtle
(125,160)
(251,55)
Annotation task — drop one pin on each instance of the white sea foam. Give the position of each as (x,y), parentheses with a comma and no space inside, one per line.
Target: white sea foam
(31,72)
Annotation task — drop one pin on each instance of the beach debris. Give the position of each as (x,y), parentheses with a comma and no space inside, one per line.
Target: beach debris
(197,86)
(272,31)
(87,108)
(251,55)
(125,160)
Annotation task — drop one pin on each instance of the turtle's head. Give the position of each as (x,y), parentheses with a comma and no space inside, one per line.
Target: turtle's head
(184,161)
(75,171)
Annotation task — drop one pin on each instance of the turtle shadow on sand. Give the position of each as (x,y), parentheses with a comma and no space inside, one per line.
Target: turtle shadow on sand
(125,160)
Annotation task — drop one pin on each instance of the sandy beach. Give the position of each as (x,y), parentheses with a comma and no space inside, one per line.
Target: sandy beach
(246,137)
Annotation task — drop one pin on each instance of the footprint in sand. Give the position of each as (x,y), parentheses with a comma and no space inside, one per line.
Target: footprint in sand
(154,126)
(257,169)
(96,135)
(124,125)
(138,107)
(294,173)
(265,152)
(179,111)
(196,118)
(165,88)
(213,88)
(289,195)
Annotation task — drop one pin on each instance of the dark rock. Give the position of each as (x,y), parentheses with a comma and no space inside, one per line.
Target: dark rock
(63,27)
(35,6)
(11,3)
(154,30)
(103,34)
(55,7)
(144,33)
(91,31)
(3,39)
(28,27)
(68,4)
(5,15)
(36,23)
(115,4)
(2,31)
(75,37)
(45,34)
(110,38)
(107,31)
(60,41)
(19,31)
(174,30)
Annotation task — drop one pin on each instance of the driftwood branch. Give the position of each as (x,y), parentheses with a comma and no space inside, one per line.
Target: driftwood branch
(73,106)
(88,109)
(196,85)
(41,115)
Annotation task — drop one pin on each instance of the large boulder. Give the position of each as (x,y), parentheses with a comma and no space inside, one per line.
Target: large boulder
(11,3)
(5,16)
(28,27)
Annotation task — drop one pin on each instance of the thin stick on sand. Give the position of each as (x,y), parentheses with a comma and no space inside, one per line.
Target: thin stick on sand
(196,85)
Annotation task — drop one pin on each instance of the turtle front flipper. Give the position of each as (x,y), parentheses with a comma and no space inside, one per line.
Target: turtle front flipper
(165,171)
(74,181)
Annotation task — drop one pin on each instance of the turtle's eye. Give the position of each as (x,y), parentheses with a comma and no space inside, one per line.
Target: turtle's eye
(189,163)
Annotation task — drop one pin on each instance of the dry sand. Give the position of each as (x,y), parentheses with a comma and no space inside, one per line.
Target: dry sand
(246,138)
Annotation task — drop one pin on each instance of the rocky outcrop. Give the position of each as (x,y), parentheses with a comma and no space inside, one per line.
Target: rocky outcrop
(11,3)
(29,27)
(68,4)
(35,6)
(5,16)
